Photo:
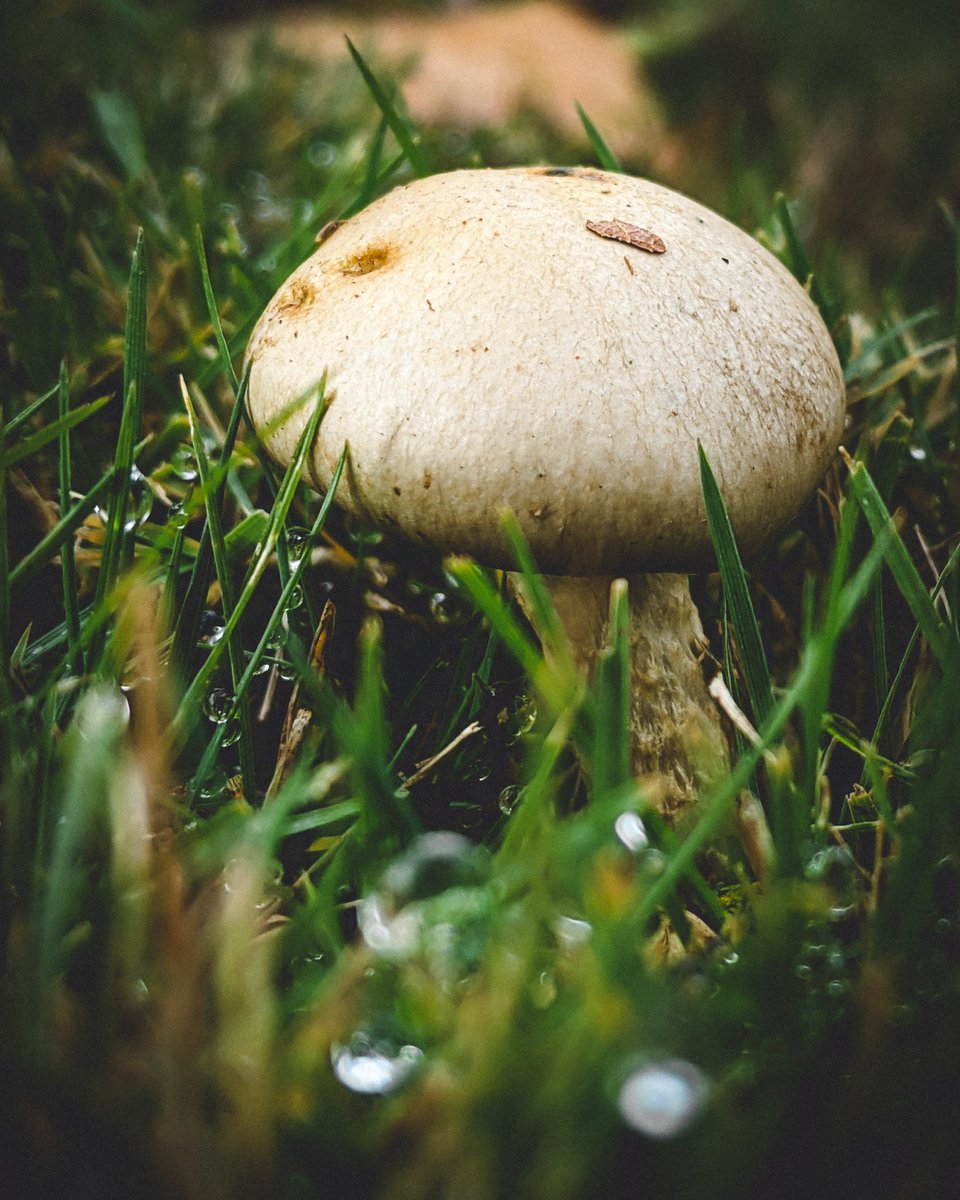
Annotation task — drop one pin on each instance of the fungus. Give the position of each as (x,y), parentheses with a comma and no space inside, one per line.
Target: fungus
(502,350)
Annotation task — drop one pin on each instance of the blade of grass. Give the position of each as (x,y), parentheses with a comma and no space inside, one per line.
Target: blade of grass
(68,563)
(22,417)
(737,595)
(406,136)
(278,514)
(475,581)
(49,433)
(134,373)
(224,578)
(188,617)
(605,156)
(253,664)
(802,268)
(941,639)
(546,621)
(611,748)
(226,358)
(4,553)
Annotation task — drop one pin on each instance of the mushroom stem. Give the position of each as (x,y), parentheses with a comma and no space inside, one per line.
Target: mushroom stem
(674,724)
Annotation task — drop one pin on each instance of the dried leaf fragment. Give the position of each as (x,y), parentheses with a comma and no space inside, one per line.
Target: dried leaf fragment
(633,235)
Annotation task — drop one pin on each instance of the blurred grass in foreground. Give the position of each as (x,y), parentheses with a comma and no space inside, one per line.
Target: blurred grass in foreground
(308,883)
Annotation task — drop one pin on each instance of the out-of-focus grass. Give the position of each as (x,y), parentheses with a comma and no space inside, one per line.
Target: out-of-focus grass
(409,927)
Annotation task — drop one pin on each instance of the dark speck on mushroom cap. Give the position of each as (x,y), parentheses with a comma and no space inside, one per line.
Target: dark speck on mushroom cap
(477,335)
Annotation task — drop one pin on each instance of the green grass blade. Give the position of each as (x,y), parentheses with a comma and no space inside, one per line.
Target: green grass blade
(134,371)
(187,623)
(16,423)
(941,639)
(802,268)
(541,608)
(605,156)
(68,563)
(29,446)
(253,663)
(224,578)
(611,748)
(190,701)
(4,554)
(406,135)
(225,357)
(476,582)
(737,594)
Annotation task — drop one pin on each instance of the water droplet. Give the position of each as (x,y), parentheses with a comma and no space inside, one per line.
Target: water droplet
(321,153)
(653,862)
(918,453)
(210,630)
(834,867)
(524,715)
(231,733)
(217,705)
(631,830)
(373,1066)
(177,516)
(286,670)
(139,501)
(183,464)
(446,608)
(298,539)
(103,712)
(572,932)
(295,599)
(509,798)
(543,991)
(661,1099)
(392,919)
(731,958)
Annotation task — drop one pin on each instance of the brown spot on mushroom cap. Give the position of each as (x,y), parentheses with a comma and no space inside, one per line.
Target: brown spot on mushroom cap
(364,262)
(296,295)
(585,377)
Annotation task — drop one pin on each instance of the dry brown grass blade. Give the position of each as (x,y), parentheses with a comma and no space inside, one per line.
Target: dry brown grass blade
(298,718)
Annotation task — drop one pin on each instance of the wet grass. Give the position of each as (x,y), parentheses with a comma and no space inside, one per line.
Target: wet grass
(320,871)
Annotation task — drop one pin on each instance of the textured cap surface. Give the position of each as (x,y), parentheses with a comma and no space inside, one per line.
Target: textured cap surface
(485,349)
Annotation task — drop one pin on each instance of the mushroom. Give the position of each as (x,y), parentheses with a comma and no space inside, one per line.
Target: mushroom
(557,341)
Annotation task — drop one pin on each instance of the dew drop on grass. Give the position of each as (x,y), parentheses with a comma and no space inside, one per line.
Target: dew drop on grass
(231,732)
(373,1066)
(662,1099)
(392,919)
(631,831)
(139,501)
(211,628)
(217,705)
(524,715)
(297,540)
(446,608)
(177,516)
(183,464)
(572,932)
(295,599)
(509,798)
(103,712)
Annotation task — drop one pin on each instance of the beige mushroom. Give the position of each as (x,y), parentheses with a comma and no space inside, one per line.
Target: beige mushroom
(486,349)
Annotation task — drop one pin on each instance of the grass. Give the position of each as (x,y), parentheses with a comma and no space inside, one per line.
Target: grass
(320,871)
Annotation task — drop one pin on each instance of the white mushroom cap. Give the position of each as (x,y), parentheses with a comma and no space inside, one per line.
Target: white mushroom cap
(486,350)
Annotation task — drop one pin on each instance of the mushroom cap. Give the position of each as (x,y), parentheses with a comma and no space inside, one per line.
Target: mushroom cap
(485,350)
